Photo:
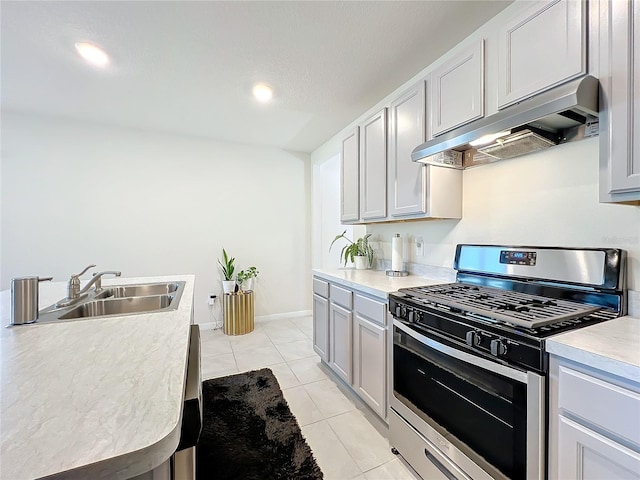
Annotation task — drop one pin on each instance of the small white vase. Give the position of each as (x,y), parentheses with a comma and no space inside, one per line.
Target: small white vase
(361,262)
(247,285)
(228,286)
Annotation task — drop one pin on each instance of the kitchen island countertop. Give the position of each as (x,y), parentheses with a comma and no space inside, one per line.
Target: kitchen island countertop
(376,282)
(92,398)
(612,346)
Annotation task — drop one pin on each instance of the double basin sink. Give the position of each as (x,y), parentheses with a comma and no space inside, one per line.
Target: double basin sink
(118,300)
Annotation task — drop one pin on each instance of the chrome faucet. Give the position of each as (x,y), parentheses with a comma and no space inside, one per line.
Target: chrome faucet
(97,280)
(73,287)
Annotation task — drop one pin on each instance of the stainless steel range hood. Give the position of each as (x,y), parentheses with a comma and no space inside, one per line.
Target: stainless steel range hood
(565,113)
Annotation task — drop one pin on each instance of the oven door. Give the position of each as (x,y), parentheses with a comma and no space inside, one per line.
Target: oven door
(487,419)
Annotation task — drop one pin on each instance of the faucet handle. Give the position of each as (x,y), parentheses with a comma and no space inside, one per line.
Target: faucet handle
(83,271)
(73,287)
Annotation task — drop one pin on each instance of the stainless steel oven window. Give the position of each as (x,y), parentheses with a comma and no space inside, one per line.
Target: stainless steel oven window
(491,412)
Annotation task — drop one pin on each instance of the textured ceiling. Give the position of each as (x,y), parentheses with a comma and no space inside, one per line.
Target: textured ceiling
(188,67)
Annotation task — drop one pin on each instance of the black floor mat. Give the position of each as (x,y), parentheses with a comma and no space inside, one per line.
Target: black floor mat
(250,433)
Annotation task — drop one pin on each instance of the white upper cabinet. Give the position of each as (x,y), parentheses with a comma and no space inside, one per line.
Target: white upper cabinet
(373,167)
(543,46)
(620,101)
(349,178)
(407,179)
(391,186)
(457,90)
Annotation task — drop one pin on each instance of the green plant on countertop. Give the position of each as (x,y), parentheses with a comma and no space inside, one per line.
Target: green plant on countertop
(244,275)
(360,247)
(228,268)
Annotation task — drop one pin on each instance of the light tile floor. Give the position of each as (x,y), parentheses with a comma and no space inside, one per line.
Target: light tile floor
(347,439)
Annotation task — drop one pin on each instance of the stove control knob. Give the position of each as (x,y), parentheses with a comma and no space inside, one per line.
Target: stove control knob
(498,348)
(398,311)
(412,316)
(473,338)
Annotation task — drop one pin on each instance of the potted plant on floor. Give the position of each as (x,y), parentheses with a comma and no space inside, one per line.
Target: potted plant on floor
(359,252)
(228,268)
(246,278)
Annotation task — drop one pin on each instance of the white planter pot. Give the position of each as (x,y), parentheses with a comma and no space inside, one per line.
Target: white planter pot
(361,262)
(228,286)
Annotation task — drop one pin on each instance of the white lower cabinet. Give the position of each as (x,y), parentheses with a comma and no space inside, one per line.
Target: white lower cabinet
(370,359)
(321,326)
(356,330)
(594,424)
(586,454)
(340,325)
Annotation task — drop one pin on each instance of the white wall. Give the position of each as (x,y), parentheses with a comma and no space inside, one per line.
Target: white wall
(326,215)
(153,204)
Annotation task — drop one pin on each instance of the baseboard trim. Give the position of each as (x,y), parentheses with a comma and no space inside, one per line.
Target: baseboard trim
(207,326)
(274,316)
(301,313)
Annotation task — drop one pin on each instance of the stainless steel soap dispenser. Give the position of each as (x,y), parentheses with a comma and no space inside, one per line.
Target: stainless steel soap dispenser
(24,299)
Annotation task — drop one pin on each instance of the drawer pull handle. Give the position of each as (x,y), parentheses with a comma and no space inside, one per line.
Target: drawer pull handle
(439,465)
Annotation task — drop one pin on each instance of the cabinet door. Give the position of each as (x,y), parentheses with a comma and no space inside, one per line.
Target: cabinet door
(543,46)
(457,90)
(349,178)
(370,363)
(620,101)
(588,455)
(340,353)
(321,326)
(373,167)
(406,179)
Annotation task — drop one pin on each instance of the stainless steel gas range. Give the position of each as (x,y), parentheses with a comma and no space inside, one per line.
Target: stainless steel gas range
(469,364)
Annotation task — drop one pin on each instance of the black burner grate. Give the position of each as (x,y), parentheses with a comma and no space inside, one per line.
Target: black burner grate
(517,308)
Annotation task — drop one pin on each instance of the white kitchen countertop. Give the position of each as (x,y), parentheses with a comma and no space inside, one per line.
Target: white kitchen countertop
(374,282)
(612,346)
(94,398)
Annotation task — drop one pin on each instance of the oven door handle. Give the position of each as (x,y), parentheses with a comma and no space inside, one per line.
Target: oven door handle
(464,356)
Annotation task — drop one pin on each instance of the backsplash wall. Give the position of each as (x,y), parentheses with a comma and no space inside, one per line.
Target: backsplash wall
(547,198)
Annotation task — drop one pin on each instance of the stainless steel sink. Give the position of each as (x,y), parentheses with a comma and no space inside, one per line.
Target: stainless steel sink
(142,290)
(118,300)
(119,306)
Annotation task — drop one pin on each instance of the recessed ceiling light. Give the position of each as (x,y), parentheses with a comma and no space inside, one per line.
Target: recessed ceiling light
(262,92)
(92,54)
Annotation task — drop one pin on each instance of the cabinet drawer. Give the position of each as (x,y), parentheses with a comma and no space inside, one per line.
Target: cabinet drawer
(341,296)
(421,453)
(321,287)
(609,406)
(373,310)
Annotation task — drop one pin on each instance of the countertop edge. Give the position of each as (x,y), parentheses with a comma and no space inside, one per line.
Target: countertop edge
(127,465)
(591,347)
(594,360)
(352,284)
(375,282)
